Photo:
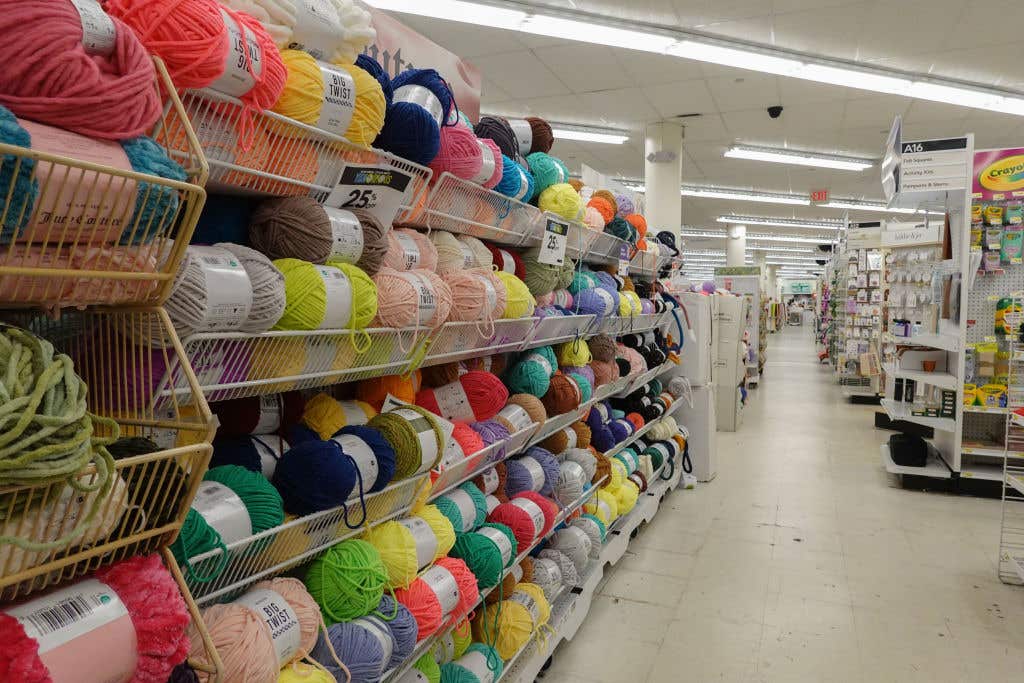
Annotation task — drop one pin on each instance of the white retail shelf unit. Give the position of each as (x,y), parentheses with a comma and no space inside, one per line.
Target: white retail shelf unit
(1011,473)
(935,467)
(901,411)
(943,380)
(859,267)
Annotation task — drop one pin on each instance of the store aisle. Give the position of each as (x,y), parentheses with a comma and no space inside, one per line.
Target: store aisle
(803,561)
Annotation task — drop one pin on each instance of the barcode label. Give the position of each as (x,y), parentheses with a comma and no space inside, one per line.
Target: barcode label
(66,614)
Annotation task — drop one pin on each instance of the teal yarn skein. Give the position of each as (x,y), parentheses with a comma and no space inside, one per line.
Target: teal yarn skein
(482,556)
(532,373)
(156,206)
(21,187)
(453,672)
(546,171)
(450,509)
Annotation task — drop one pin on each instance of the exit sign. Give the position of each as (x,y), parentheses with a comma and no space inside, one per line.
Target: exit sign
(819,196)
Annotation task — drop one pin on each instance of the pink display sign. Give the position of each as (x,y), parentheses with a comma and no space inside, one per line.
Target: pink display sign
(998,174)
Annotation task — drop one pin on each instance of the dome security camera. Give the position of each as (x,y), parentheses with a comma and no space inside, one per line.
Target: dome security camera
(775,112)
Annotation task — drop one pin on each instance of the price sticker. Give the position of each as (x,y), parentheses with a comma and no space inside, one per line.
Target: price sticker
(553,243)
(379,190)
(99,36)
(624,260)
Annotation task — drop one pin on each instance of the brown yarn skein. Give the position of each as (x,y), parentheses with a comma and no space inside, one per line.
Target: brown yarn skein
(602,348)
(439,375)
(563,395)
(604,467)
(583,434)
(543,137)
(608,197)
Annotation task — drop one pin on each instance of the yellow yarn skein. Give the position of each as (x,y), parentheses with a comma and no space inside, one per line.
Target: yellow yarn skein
(325,416)
(442,528)
(608,512)
(537,593)
(507,625)
(397,548)
(300,672)
(627,496)
(563,200)
(624,306)
(303,95)
(634,301)
(574,353)
(462,637)
(519,303)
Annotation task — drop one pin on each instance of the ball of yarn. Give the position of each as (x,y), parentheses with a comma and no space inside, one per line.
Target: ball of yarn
(627,496)
(306,295)
(430,669)
(593,219)
(584,458)
(516,181)
(424,605)
(364,645)
(596,301)
(523,474)
(547,575)
(375,390)
(583,433)
(484,396)
(519,302)
(498,130)
(262,501)
(465,507)
(484,655)
(546,171)
(561,199)
(299,672)
(575,543)
(409,249)
(492,432)
(603,207)
(543,138)
(439,375)
(595,529)
(416,297)
(403,629)
(508,624)
(268,293)
(624,205)
(410,131)
(452,254)
(483,554)
(492,168)
(299,227)
(347,581)
(573,353)
(373,67)
(532,405)
(314,476)
(572,481)
(508,261)
(302,603)
(638,222)
(602,348)
(469,441)
(570,575)
(325,415)
(532,374)
(442,528)
(548,507)
(563,395)
(458,154)
(403,435)
(618,227)
(476,295)
(609,197)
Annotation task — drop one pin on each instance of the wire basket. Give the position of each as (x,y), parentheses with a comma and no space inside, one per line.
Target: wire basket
(462,206)
(266,154)
(274,551)
(555,329)
(462,340)
(207,661)
(96,234)
(644,265)
(150,493)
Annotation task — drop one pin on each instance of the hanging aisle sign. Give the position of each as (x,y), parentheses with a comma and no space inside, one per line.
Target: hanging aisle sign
(934,165)
(378,190)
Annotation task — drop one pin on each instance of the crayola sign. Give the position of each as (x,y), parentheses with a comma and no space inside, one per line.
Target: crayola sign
(998,174)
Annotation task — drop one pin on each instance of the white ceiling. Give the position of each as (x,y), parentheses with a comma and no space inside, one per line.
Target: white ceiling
(571,82)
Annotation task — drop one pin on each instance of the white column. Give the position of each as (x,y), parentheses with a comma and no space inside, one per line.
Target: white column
(663,205)
(736,245)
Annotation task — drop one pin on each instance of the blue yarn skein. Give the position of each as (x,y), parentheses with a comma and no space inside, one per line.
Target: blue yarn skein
(16,180)
(551,466)
(601,437)
(403,627)
(510,183)
(373,67)
(619,431)
(224,219)
(314,476)
(357,647)
(156,206)
(383,451)
(241,451)
(595,301)
(452,511)
(409,129)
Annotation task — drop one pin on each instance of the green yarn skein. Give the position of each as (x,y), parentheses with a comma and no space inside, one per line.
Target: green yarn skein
(46,434)
(482,556)
(347,581)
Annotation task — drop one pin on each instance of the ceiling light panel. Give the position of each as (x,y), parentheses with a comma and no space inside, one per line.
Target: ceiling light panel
(788,156)
(780,222)
(743,195)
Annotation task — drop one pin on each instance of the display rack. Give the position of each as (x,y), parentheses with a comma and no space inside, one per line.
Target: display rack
(745,281)
(859,325)
(1011,530)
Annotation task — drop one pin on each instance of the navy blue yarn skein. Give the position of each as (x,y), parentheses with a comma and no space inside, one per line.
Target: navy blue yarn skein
(373,67)
(383,451)
(409,129)
(314,476)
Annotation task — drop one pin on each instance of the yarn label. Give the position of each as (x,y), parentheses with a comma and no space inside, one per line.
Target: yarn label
(346,236)
(468,257)
(444,586)
(87,616)
(379,630)
(606,512)
(535,471)
(270,448)
(532,509)
(524,134)
(444,651)
(524,185)
(424,433)
(280,618)
(553,243)
(508,263)
(410,250)
(339,100)
(488,166)
(363,456)
(500,540)
(418,94)
(338,292)
(380,190)
(423,536)
(516,416)
(99,36)
(490,293)
(546,574)
(317,28)
(571,479)
(243,62)
(353,412)
(425,297)
(490,480)
(466,506)
(492,503)
(227,286)
(270,414)
(453,402)
(476,662)
(570,437)
(223,510)
(527,601)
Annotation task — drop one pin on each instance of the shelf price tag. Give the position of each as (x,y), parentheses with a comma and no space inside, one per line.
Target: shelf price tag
(552,248)
(623,260)
(379,190)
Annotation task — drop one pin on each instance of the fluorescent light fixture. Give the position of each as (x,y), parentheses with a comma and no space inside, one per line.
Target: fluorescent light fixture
(740,58)
(708,234)
(780,222)
(743,195)
(856,205)
(774,250)
(789,156)
(457,10)
(588,136)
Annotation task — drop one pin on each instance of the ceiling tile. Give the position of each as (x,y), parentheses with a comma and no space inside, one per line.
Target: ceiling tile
(879,110)
(462,39)
(617,108)
(799,91)
(520,74)
(646,68)
(747,92)
(706,151)
(585,68)
(703,128)
(922,111)
(884,34)
(687,97)
(563,108)
(826,31)
(491,94)
(753,29)
(753,123)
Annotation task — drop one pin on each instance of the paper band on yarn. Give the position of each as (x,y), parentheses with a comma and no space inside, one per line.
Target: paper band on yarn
(413,675)
(524,186)
(571,474)
(270,414)
(99,36)
(354,413)
(338,293)
(228,289)
(570,437)
(223,510)
(524,134)
(490,293)
(363,456)
(410,250)
(453,403)
(281,620)
(576,390)
(423,536)
(451,456)
(417,94)
(500,540)
(571,541)
(508,264)
(606,511)
(468,257)
(467,509)
(72,622)
(444,651)
(317,28)
(443,585)
(547,574)
(425,435)
(532,509)
(243,54)
(426,297)
(527,601)
(492,503)
(606,299)
(516,416)
(339,101)
(536,472)
(517,572)
(62,208)
(490,480)
(269,447)
(346,235)
(544,362)
(663,449)
(476,662)
(487,169)
(379,630)
(602,409)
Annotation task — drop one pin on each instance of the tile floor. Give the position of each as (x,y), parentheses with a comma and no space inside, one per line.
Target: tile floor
(804,561)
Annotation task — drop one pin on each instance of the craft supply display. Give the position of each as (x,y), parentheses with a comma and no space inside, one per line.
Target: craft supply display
(345,385)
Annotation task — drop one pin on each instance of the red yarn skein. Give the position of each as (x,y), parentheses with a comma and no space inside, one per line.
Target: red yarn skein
(548,507)
(485,393)
(49,77)
(467,438)
(507,260)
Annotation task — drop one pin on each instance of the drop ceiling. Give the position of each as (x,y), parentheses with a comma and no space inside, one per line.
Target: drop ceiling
(572,82)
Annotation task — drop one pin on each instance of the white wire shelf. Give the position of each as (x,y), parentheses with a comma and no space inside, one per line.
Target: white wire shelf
(900,411)
(459,341)
(976,470)
(934,467)
(986,409)
(274,551)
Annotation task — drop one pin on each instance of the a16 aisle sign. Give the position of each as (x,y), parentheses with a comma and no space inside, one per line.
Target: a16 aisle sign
(380,190)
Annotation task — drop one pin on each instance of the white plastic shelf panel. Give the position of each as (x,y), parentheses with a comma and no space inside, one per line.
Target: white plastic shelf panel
(555,329)
(459,341)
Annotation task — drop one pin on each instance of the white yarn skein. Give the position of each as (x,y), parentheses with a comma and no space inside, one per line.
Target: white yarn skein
(268,298)
(571,480)
(570,577)
(484,257)
(187,304)
(575,543)
(449,253)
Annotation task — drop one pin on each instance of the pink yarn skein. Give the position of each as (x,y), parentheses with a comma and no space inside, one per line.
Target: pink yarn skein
(48,76)
(460,154)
